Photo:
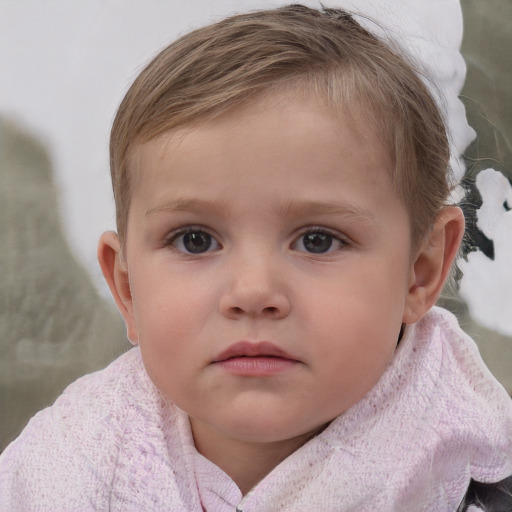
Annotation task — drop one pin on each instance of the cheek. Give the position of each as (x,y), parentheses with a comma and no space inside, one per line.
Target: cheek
(172,312)
(357,326)
(351,357)
(367,298)
(168,332)
(164,325)
(167,342)
(167,302)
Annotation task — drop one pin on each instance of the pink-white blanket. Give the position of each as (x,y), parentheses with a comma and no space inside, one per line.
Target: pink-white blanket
(436,419)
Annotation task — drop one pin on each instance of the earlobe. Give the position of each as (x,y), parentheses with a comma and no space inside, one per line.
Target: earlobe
(433,262)
(115,272)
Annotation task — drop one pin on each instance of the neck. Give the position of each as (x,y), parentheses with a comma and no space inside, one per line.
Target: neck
(247,463)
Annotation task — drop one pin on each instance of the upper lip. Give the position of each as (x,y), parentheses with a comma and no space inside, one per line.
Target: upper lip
(252,349)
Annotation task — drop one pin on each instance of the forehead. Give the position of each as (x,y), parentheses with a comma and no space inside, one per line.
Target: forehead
(279,152)
(292,111)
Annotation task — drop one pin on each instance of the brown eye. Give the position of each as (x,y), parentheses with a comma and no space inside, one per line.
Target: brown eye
(194,242)
(317,242)
(197,242)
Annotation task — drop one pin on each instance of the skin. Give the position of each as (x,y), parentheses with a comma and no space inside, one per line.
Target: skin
(265,184)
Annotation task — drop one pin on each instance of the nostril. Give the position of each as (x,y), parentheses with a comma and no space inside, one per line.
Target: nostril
(242,302)
(270,311)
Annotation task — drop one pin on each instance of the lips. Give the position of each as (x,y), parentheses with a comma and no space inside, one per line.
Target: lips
(262,359)
(249,349)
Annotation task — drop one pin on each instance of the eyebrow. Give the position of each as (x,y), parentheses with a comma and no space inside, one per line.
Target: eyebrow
(292,208)
(355,212)
(191,204)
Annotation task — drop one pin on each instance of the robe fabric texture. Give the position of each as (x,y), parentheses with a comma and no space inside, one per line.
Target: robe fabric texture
(436,421)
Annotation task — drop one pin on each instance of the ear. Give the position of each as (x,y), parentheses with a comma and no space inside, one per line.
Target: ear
(115,272)
(432,263)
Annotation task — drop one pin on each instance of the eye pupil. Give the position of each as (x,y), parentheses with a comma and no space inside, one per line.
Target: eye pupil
(317,242)
(197,242)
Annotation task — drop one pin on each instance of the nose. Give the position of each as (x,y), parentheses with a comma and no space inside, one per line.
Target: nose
(254,290)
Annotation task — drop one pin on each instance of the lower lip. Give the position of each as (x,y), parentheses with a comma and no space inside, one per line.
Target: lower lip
(256,366)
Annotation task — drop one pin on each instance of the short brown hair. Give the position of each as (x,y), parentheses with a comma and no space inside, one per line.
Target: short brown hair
(214,69)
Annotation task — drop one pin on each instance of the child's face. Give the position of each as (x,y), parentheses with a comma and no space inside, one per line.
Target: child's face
(268,258)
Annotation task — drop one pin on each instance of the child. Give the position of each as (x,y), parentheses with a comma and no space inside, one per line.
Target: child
(281,182)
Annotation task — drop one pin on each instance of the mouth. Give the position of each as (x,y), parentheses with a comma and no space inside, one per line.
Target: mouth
(255,359)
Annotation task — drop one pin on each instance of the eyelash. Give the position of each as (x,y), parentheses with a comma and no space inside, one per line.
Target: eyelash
(171,240)
(320,230)
(333,236)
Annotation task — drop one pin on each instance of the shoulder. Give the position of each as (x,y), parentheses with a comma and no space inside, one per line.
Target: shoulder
(69,447)
(467,404)
(439,334)
(94,401)
(121,372)
(462,374)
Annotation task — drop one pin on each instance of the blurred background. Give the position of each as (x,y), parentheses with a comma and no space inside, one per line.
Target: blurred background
(64,68)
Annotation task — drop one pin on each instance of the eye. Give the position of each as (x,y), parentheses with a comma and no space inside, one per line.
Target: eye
(318,242)
(194,241)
